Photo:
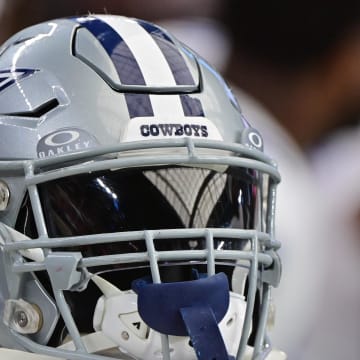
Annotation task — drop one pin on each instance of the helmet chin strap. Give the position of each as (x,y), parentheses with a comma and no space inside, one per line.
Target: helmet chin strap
(118,324)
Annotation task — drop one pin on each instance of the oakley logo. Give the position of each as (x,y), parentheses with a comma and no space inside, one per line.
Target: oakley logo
(64,141)
(147,130)
(255,139)
(62,138)
(251,138)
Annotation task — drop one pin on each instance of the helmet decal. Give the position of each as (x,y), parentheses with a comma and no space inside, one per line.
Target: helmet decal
(147,128)
(64,141)
(9,77)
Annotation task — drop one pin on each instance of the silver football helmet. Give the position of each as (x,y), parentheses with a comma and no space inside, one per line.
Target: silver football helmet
(136,203)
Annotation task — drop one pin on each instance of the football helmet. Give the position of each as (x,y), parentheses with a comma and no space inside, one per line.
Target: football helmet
(136,202)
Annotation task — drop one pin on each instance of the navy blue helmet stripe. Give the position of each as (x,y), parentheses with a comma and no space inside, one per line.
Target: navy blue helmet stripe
(175,60)
(191,106)
(154,30)
(124,61)
(177,64)
(139,105)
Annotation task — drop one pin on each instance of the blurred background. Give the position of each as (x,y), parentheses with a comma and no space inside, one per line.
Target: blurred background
(295,68)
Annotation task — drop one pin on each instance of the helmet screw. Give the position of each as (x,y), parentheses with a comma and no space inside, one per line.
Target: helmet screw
(21,318)
(125,335)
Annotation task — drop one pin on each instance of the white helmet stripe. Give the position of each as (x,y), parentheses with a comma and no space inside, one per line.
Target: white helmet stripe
(165,106)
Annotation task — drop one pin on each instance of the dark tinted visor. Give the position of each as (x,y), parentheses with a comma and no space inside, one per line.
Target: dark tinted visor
(148,199)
